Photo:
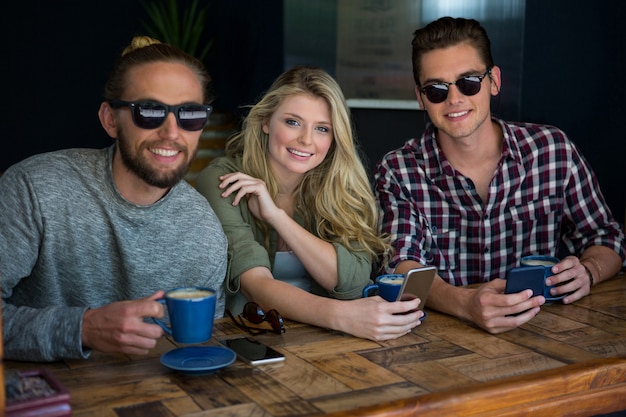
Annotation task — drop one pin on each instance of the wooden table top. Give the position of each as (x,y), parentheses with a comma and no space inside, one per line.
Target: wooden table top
(568,359)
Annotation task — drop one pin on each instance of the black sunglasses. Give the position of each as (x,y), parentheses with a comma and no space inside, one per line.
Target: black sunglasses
(254,314)
(152,114)
(468,85)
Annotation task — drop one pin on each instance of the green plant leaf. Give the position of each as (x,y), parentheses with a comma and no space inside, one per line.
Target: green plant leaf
(183,29)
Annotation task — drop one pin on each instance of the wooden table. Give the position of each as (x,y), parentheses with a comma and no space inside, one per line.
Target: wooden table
(568,359)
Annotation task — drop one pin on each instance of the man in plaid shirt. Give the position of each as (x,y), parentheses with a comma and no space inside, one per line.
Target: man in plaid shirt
(475,194)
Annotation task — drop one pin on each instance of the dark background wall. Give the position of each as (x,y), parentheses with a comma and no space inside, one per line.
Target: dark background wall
(574,53)
(59,54)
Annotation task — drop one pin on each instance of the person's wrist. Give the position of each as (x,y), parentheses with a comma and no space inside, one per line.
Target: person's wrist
(591,280)
(591,261)
(279,218)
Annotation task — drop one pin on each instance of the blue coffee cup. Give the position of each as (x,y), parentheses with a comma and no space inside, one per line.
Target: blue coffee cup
(191,311)
(547,262)
(387,286)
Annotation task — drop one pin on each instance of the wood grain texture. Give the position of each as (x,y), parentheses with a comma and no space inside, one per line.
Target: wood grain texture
(570,359)
(558,391)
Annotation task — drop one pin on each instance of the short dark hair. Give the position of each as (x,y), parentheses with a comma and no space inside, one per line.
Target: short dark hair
(449,31)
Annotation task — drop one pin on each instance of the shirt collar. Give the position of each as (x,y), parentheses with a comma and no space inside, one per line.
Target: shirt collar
(510,146)
(435,162)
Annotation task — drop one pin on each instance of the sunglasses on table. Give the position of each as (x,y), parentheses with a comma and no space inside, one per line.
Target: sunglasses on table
(152,114)
(468,85)
(253,313)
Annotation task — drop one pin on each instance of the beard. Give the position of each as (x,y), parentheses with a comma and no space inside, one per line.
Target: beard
(140,165)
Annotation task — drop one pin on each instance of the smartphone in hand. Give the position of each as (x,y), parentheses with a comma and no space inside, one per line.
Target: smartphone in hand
(525,277)
(417,284)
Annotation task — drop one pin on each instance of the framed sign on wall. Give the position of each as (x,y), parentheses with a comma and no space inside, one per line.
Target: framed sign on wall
(366,44)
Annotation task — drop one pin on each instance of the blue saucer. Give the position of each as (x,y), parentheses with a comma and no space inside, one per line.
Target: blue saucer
(198,360)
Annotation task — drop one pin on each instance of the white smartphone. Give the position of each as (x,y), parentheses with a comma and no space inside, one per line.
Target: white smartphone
(252,351)
(417,284)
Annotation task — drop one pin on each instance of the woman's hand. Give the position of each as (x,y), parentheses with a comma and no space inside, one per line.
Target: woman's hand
(260,202)
(377,319)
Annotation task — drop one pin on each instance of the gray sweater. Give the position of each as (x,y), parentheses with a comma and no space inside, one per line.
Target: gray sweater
(69,241)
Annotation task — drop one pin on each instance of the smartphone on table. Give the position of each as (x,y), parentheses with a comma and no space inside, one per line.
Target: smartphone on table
(252,351)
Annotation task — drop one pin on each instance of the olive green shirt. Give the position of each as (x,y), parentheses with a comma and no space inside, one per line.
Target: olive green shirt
(246,240)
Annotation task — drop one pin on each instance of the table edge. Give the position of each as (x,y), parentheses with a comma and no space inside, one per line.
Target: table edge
(600,384)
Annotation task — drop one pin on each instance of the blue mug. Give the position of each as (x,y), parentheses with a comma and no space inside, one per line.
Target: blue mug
(191,311)
(387,286)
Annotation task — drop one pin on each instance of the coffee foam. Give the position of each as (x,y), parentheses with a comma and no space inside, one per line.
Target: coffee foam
(392,281)
(538,262)
(189,293)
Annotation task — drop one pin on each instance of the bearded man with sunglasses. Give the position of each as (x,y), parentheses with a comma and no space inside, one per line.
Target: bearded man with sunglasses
(475,194)
(91,238)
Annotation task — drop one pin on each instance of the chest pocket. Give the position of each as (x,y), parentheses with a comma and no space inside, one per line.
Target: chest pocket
(536,220)
(535,210)
(442,242)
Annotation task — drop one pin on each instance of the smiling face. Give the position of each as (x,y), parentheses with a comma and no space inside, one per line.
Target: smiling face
(153,158)
(300,135)
(458,116)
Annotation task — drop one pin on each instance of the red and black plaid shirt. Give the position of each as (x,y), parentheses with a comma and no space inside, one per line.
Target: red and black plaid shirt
(543,195)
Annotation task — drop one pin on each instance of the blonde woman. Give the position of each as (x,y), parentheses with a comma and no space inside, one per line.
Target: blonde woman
(299,213)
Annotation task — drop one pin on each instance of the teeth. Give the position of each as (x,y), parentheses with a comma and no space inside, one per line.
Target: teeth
(164,152)
(457,114)
(293,151)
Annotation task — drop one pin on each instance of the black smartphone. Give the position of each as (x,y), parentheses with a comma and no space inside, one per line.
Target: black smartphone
(417,284)
(525,277)
(252,351)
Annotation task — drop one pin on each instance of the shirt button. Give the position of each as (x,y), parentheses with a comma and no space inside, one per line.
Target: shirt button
(486,250)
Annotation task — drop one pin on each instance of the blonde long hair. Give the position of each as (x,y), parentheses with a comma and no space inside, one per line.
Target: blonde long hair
(335,198)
